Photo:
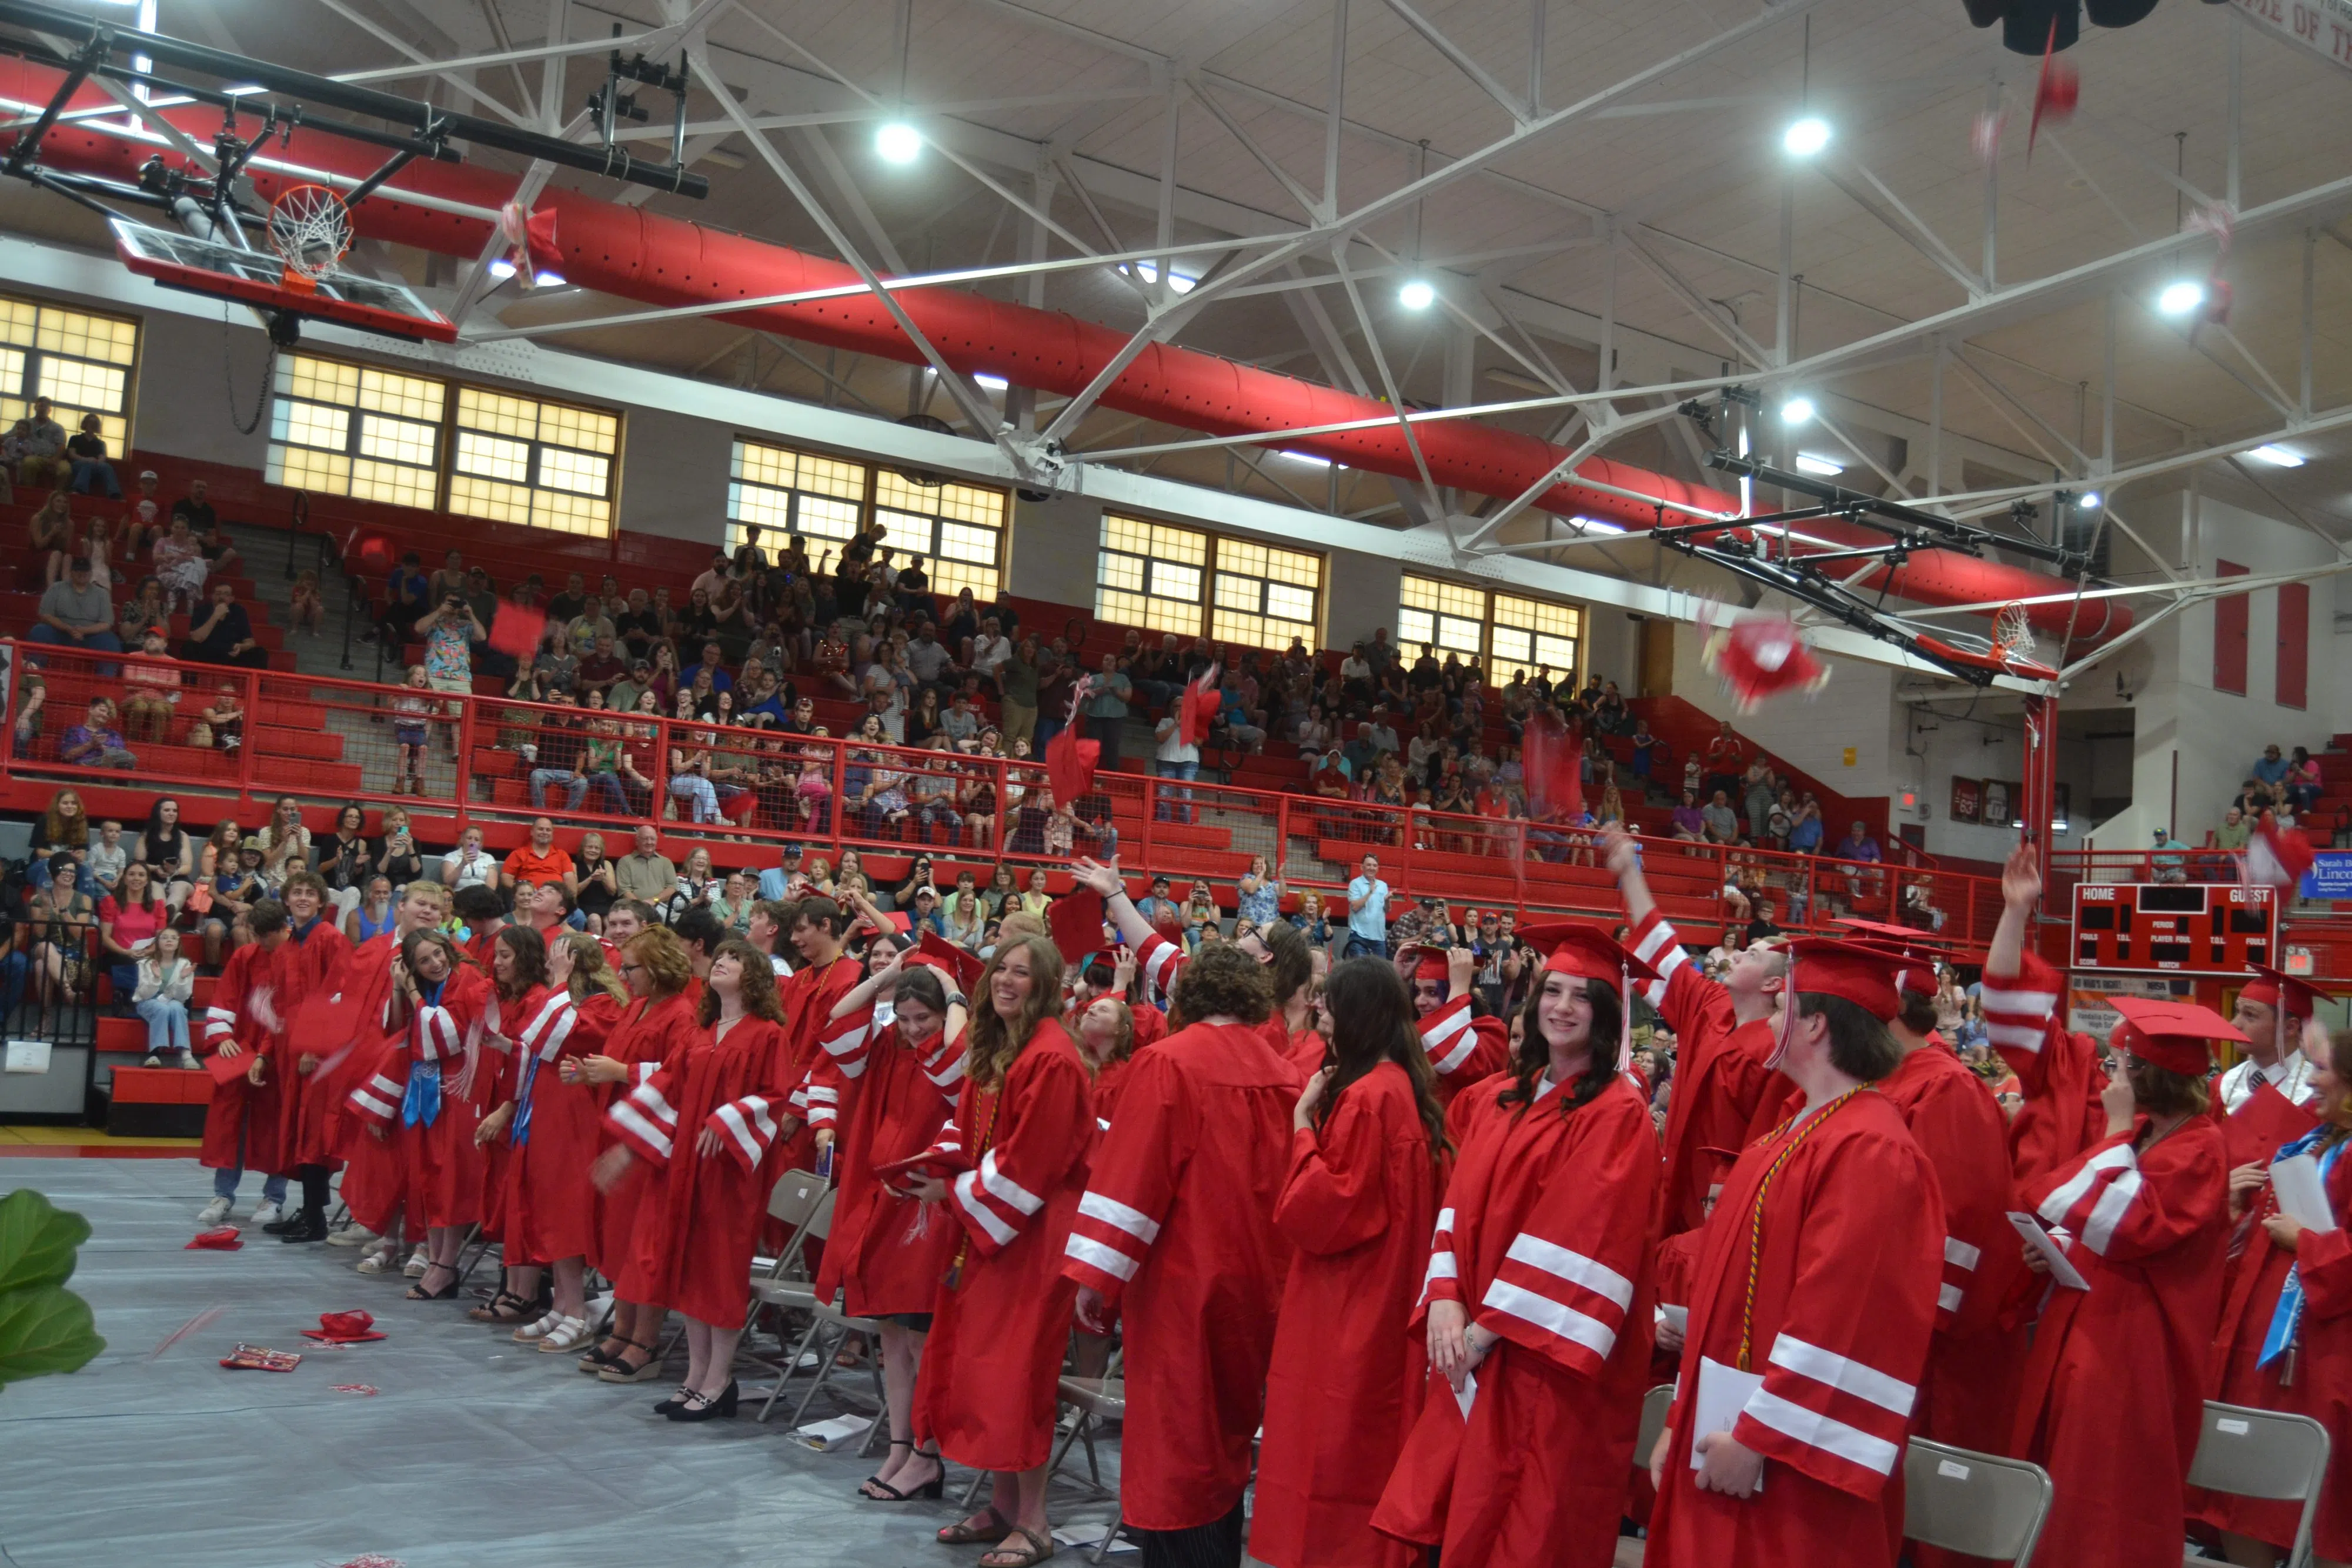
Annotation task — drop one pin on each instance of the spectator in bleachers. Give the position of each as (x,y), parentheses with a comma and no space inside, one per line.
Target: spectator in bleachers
(95,742)
(408,593)
(1722,824)
(471,865)
(204,523)
(1368,911)
(561,748)
(146,608)
(345,861)
(128,919)
(1858,850)
(162,983)
(166,851)
(35,448)
(180,565)
(450,630)
(2303,782)
(86,454)
(1017,677)
(2270,773)
(599,670)
(151,689)
(534,865)
(223,635)
(108,859)
(306,607)
(143,519)
(1106,710)
(284,838)
(990,652)
(395,853)
(234,892)
(217,857)
(646,873)
(61,918)
(1782,820)
(451,577)
(2167,867)
(555,666)
(1805,830)
(75,612)
(371,917)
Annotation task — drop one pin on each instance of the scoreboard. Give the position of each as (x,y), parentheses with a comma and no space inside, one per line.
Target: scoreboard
(2181,928)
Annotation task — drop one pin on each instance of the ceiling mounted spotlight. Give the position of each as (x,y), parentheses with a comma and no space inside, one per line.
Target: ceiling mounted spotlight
(1806,137)
(2180,298)
(1815,464)
(1798,410)
(2277,457)
(898,142)
(1416,295)
(2088,501)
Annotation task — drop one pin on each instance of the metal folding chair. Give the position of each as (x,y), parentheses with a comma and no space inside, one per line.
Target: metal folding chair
(828,1326)
(2263,1454)
(1979,1504)
(1096,1400)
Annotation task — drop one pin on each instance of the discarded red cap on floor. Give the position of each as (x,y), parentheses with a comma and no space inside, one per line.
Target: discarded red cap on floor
(344,1328)
(223,1240)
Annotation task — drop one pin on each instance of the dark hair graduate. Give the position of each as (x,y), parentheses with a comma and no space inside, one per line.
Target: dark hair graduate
(1533,1053)
(1372,1021)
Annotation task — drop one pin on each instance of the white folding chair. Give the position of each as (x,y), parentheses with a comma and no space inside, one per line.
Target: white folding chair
(1654,1405)
(2263,1454)
(1979,1504)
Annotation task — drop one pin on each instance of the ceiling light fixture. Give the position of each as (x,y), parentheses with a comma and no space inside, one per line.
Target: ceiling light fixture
(2088,501)
(1178,282)
(548,277)
(1798,410)
(1305,457)
(502,267)
(1806,137)
(1812,463)
(1416,295)
(993,384)
(2277,457)
(2180,298)
(1593,525)
(898,142)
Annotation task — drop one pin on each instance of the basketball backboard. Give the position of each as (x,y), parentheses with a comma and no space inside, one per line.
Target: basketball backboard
(257,277)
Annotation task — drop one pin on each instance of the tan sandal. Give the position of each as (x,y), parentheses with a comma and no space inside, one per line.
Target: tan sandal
(1042,1545)
(993,1524)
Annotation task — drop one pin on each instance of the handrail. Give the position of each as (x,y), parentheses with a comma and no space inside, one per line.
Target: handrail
(1529,864)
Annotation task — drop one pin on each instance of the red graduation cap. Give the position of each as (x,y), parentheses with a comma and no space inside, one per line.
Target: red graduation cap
(222,1238)
(1433,963)
(516,629)
(1076,921)
(1553,763)
(1919,959)
(344,1328)
(2175,1036)
(1592,953)
(1863,975)
(2278,857)
(1198,708)
(1070,762)
(942,954)
(1759,657)
(2293,997)
(228,1069)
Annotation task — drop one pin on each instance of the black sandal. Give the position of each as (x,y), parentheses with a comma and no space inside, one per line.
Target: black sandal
(418,1292)
(505,1307)
(930,1490)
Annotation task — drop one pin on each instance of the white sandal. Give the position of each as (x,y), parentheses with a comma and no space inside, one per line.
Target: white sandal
(537,1328)
(568,1335)
(378,1260)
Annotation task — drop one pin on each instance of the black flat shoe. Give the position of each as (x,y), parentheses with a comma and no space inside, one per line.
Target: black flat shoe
(697,1406)
(674,1404)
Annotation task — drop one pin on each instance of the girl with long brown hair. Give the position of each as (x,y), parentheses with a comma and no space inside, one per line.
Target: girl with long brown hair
(708,1118)
(1537,1287)
(656,1028)
(549,1128)
(518,964)
(1019,1137)
(1367,1159)
(439,1002)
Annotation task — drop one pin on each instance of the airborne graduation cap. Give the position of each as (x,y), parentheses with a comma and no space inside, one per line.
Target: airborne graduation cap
(960,968)
(1869,978)
(2175,1036)
(1919,954)
(1591,953)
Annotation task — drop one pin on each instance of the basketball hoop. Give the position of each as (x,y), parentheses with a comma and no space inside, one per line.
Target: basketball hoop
(310,229)
(2012,634)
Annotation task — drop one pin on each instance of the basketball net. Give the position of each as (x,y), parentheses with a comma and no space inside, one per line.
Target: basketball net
(310,230)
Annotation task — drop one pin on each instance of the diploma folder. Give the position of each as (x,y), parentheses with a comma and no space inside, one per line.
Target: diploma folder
(940,1163)
(2302,1195)
(2044,1246)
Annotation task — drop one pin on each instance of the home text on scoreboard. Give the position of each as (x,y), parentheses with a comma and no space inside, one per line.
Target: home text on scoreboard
(2179,929)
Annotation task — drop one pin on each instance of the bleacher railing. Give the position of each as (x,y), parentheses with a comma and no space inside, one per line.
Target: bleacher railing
(463,760)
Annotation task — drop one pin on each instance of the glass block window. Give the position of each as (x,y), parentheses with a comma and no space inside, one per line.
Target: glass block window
(1445,614)
(353,430)
(782,492)
(1530,634)
(541,465)
(1151,575)
(81,363)
(958,529)
(1264,596)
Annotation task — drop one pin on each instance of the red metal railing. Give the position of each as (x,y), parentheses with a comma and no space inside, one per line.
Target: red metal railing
(327,741)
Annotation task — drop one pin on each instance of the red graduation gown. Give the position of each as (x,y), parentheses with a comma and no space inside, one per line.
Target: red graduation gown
(648,1035)
(438,1159)
(2322,1363)
(1344,1385)
(549,1203)
(1544,1240)
(2057,1072)
(497,1069)
(2148,1228)
(885,1251)
(695,1233)
(244,1009)
(1464,1049)
(367,1082)
(991,1369)
(820,1083)
(1973,1361)
(308,966)
(1851,1260)
(2264,1121)
(1177,1230)
(1720,1079)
